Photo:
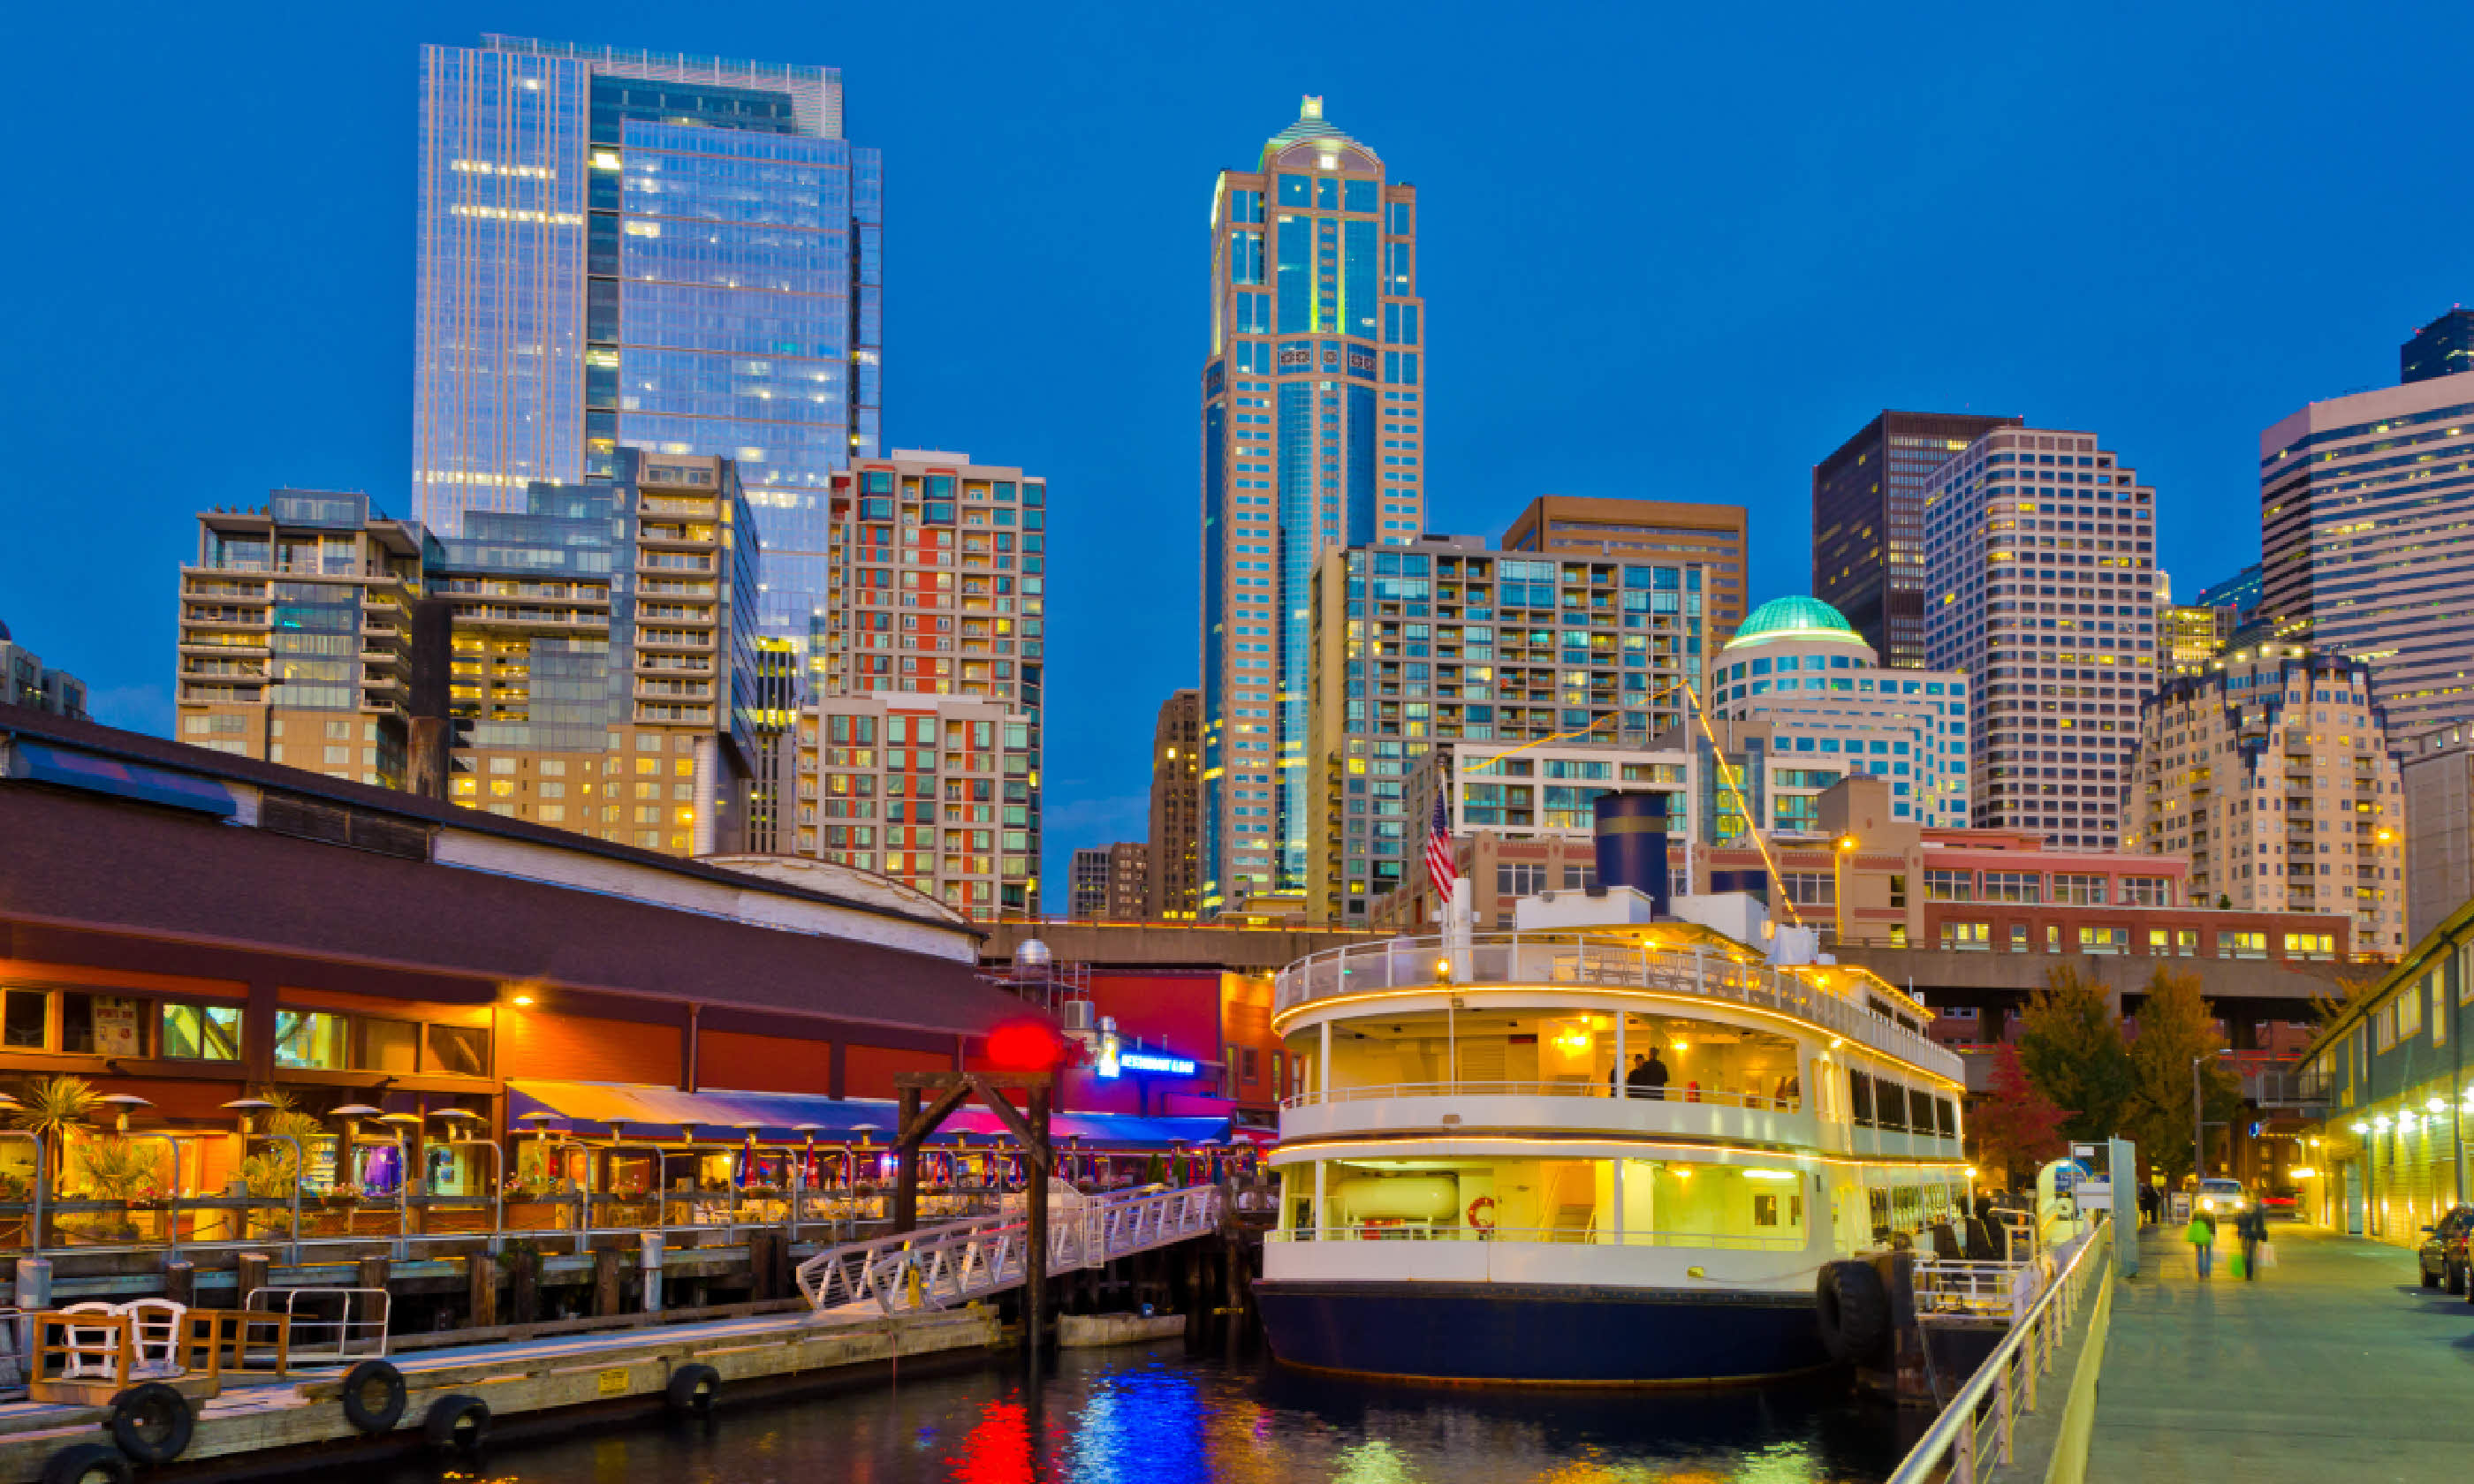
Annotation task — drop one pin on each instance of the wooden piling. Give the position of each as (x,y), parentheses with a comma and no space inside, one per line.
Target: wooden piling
(369,1310)
(180,1282)
(481,1290)
(606,1270)
(251,1271)
(523,1283)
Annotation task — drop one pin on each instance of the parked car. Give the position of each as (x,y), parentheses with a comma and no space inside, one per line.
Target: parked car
(2444,1258)
(2221,1198)
(2281,1201)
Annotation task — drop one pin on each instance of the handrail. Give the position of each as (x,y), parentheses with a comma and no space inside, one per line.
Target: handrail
(1952,1438)
(1579,1087)
(1580,960)
(1568,1236)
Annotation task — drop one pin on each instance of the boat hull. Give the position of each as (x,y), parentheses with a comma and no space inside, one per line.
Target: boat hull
(1541,1334)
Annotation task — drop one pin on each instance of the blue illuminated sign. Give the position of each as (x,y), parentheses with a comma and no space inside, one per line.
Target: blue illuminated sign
(1153,1062)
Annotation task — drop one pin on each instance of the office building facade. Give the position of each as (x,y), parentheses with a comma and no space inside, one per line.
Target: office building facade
(1172,883)
(2364,501)
(26,681)
(1868,525)
(2239,592)
(939,589)
(1314,432)
(2271,771)
(1833,708)
(296,639)
(2437,769)
(2444,347)
(2041,574)
(673,252)
(1450,641)
(1648,531)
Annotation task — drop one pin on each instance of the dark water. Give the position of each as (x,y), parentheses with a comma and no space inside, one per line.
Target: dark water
(1153,1415)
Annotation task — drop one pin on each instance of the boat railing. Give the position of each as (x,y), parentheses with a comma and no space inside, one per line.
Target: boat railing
(1441,965)
(1722,1097)
(1981,1289)
(1580,1236)
(1955,1447)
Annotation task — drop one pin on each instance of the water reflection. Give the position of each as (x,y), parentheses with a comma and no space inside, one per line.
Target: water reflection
(1155,1415)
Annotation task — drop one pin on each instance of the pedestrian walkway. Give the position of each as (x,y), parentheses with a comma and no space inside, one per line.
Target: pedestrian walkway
(2335,1364)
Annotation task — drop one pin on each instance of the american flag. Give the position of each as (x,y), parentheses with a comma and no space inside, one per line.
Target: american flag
(1439,847)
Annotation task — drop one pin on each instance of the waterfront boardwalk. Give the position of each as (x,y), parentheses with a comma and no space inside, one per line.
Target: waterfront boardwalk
(2335,1364)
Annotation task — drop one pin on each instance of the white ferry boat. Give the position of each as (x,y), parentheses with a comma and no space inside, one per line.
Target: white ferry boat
(1476,1186)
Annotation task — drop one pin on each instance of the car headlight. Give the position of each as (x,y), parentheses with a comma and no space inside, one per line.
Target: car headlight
(2207,1202)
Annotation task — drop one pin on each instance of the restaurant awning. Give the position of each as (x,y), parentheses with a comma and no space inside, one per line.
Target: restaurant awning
(42,763)
(662,1113)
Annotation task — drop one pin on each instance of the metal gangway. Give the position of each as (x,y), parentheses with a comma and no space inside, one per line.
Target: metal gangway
(945,1266)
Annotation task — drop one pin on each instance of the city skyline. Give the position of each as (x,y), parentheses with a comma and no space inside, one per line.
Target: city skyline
(322,381)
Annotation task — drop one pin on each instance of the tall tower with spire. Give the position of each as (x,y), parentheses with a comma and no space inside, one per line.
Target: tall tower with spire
(1313,395)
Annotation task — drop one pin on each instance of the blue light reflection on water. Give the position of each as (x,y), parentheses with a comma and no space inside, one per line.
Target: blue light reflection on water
(1153,1415)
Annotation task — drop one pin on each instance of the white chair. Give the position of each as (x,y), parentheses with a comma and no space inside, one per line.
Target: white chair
(153,1335)
(88,1363)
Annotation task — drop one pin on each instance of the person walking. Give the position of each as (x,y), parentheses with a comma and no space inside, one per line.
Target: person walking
(2146,1205)
(2252,1228)
(2201,1235)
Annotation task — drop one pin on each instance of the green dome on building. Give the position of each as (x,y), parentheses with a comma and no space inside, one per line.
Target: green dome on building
(1794,618)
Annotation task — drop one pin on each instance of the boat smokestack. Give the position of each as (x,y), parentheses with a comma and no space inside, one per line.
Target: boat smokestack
(1630,838)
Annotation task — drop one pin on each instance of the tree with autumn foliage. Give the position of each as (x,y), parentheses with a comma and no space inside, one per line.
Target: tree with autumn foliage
(2015,1126)
(2177,1048)
(2070,1046)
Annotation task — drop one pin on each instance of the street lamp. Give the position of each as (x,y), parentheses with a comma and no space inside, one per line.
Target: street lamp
(1843,846)
(2199,1130)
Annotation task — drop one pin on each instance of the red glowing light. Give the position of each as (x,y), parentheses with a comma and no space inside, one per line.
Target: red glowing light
(1025,1047)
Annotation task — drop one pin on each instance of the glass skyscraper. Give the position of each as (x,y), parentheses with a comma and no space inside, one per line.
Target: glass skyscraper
(1313,431)
(672,252)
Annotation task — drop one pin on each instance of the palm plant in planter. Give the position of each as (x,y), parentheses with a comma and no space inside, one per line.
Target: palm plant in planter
(49,1108)
(122,1169)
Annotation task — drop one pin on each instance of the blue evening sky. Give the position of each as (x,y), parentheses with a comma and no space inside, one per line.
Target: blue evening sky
(1670,251)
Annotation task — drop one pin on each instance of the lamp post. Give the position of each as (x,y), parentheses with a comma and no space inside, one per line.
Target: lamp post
(2199,1130)
(1841,848)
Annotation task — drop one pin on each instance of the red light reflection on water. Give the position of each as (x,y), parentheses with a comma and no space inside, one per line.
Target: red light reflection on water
(998,1450)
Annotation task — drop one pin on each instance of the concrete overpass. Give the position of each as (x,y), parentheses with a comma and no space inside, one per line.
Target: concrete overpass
(1944,977)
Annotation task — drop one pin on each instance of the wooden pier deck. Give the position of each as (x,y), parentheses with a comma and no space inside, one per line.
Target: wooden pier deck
(516,1377)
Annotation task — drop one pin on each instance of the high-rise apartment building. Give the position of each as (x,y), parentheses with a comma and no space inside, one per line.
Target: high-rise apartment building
(2041,574)
(936,791)
(1449,640)
(938,587)
(1868,525)
(673,252)
(1313,438)
(2444,347)
(2362,505)
(602,670)
(2270,770)
(1087,887)
(296,640)
(26,681)
(1648,531)
(1171,889)
(2438,772)
(1833,709)
(1129,868)
(587,662)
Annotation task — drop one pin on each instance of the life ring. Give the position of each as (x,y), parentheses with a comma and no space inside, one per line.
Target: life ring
(1485,1202)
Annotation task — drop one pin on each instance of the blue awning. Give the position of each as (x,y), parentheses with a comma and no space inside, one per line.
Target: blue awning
(589,1108)
(42,763)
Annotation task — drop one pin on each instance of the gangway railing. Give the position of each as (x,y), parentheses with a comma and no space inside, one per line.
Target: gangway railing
(1977,1434)
(941,1267)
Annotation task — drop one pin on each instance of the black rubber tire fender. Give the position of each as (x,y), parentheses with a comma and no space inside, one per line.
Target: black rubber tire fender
(458,1422)
(153,1422)
(88,1462)
(1854,1309)
(2430,1279)
(691,1389)
(364,1378)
